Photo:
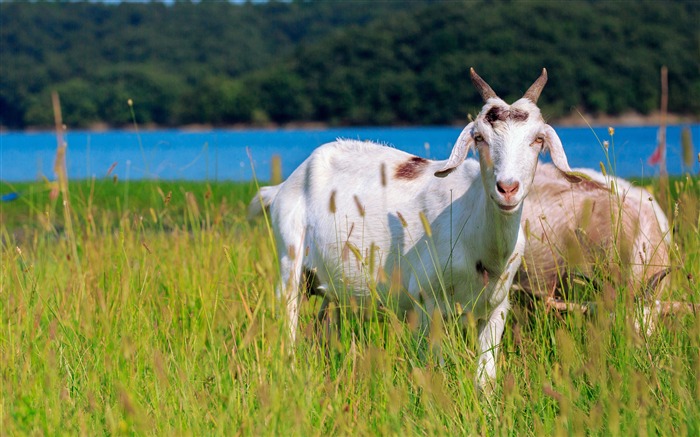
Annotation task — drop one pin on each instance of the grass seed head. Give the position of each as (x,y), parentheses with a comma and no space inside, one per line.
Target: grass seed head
(402,220)
(602,169)
(331,204)
(111,168)
(359,205)
(426,224)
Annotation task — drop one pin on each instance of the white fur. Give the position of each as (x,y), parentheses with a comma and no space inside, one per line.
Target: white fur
(640,197)
(474,225)
(574,227)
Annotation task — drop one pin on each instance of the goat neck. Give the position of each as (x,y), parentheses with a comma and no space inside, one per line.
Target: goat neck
(501,236)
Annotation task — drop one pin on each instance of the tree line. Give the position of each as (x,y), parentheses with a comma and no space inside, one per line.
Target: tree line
(338,62)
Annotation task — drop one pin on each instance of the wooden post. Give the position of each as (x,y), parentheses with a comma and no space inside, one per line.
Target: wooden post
(59,166)
(664,195)
(276,170)
(61,171)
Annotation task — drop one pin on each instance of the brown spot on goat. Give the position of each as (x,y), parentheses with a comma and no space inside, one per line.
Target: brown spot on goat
(483,272)
(499,113)
(411,169)
(495,114)
(518,115)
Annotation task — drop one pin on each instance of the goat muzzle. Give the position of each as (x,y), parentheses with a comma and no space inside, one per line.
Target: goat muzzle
(508,189)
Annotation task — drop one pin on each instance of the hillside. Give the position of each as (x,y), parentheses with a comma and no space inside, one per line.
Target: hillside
(338,62)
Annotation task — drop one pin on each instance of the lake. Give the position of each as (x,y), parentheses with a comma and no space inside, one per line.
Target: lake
(227,154)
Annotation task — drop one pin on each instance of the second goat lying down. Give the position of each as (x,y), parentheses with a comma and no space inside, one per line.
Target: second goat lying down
(605,223)
(358,213)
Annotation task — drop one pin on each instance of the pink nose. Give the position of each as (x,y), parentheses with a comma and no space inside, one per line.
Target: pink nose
(508,190)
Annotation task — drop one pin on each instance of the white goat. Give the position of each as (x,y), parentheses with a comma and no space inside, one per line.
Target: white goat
(603,223)
(356,213)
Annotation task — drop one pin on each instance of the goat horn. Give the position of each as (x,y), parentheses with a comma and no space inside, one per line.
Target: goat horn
(481,86)
(533,93)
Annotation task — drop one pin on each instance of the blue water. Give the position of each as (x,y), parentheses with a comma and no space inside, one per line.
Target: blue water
(228,154)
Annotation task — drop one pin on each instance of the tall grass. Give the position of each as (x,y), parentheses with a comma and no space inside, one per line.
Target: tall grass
(160,318)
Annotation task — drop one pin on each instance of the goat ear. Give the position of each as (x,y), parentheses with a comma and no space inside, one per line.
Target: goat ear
(556,150)
(459,151)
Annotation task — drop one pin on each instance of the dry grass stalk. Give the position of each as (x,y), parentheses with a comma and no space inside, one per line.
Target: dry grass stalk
(662,308)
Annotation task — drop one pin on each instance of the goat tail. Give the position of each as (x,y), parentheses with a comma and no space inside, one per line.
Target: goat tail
(262,200)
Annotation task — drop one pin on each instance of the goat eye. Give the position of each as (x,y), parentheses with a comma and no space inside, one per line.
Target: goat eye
(539,140)
(478,138)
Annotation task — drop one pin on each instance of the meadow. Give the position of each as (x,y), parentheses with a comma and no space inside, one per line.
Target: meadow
(148,308)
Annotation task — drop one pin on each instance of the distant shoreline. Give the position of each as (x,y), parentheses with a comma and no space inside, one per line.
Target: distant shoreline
(574,119)
(630,119)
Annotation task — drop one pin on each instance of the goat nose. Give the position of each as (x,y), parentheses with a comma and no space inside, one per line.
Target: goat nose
(508,189)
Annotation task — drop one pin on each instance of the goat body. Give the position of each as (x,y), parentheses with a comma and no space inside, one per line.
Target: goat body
(373,222)
(603,223)
(339,200)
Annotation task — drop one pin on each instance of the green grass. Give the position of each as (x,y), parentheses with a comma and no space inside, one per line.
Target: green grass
(153,316)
